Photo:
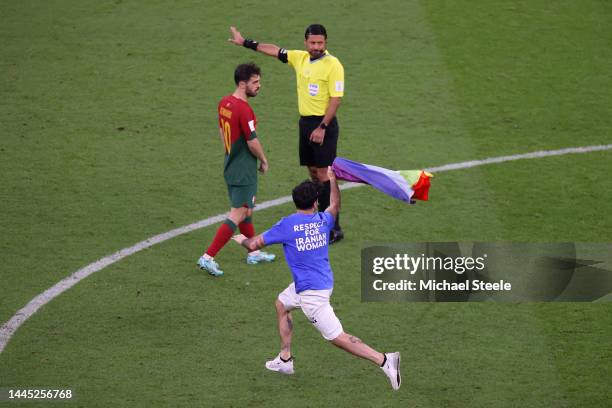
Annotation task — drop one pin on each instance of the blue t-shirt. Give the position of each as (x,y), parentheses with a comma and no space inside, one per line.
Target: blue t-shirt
(305,239)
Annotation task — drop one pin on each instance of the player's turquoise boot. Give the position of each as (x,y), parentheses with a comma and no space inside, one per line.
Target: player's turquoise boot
(210,266)
(259,257)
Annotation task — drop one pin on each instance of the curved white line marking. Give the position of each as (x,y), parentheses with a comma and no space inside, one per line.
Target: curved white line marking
(10,327)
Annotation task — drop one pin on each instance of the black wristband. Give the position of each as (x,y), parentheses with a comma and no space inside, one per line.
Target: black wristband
(252,44)
(282,55)
(323,126)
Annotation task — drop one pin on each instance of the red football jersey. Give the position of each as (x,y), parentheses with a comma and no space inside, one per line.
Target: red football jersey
(238,122)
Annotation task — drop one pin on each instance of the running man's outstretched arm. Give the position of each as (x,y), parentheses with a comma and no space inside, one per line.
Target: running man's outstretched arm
(267,49)
(252,244)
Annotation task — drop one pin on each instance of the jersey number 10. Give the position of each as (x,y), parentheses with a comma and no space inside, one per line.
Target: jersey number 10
(227,135)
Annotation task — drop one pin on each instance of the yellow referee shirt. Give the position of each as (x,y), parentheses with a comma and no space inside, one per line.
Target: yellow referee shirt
(317,81)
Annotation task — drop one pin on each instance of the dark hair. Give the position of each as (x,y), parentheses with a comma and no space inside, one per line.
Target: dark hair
(244,72)
(305,194)
(315,29)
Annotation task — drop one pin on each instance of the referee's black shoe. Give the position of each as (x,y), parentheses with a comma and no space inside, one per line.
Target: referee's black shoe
(335,236)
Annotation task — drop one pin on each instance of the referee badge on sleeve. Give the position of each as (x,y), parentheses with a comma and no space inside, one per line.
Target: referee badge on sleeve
(313,89)
(339,86)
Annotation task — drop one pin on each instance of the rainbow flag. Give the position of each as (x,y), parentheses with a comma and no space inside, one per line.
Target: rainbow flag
(405,185)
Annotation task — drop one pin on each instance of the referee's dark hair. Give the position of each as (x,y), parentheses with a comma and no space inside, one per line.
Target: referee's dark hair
(315,29)
(305,194)
(244,72)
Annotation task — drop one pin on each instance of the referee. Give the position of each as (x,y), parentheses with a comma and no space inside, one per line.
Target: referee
(320,87)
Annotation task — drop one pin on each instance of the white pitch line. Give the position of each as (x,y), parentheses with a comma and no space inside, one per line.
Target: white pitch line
(9,328)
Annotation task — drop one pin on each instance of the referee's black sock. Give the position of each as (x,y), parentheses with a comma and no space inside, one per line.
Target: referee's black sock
(324,196)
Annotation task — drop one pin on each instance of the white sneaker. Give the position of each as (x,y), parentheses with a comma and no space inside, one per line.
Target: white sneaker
(392,369)
(280,366)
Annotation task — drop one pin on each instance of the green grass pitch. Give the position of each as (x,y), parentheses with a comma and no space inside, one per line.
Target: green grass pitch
(108,136)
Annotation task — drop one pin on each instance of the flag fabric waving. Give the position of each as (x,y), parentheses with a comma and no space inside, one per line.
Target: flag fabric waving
(405,185)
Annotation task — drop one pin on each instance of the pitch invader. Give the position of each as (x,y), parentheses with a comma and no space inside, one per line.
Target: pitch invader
(237,127)
(313,279)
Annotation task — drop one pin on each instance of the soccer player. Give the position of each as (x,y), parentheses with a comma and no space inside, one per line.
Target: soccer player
(237,124)
(305,239)
(320,87)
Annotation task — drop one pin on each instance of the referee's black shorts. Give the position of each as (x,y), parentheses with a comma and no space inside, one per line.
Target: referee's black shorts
(313,154)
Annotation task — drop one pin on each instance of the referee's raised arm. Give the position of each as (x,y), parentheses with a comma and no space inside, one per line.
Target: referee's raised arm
(267,49)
